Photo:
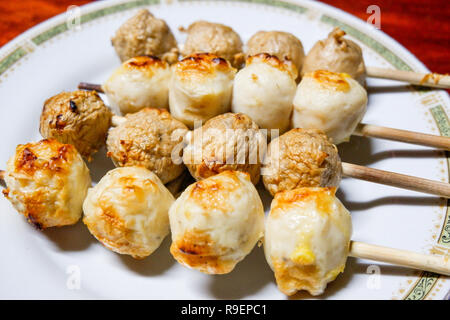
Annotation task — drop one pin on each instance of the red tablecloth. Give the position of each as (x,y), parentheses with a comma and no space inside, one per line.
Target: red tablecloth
(423,27)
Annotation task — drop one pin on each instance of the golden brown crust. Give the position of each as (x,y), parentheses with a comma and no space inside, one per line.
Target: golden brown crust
(143,34)
(79,118)
(204,63)
(274,61)
(305,158)
(336,81)
(215,144)
(214,38)
(147,138)
(144,63)
(39,182)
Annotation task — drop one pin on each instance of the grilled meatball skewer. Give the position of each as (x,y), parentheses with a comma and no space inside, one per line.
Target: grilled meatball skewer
(307,242)
(306,158)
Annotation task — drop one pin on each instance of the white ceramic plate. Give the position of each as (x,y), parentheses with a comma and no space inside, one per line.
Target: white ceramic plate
(49,59)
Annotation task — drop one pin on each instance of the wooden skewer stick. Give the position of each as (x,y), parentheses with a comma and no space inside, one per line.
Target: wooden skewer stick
(404,258)
(423,139)
(398,180)
(91,86)
(434,80)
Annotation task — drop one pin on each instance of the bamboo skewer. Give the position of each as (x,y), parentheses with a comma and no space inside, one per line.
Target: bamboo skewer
(404,258)
(366,130)
(398,180)
(423,139)
(434,80)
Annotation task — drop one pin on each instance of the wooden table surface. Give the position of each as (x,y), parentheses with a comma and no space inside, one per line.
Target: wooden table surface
(422,26)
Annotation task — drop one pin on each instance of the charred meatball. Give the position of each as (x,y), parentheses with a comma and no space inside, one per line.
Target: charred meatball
(127,211)
(231,141)
(307,239)
(216,222)
(79,118)
(336,54)
(264,90)
(332,102)
(141,82)
(47,182)
(143,34)
(214,38)
(283,45)
(148,138)
(301,158)
(200,88)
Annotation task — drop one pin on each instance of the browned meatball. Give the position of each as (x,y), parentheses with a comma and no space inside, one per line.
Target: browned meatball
(230,141)
(301,158)
(336,54)
(283,45)
(143,34)
(79,118)
(214,38)
(147,138)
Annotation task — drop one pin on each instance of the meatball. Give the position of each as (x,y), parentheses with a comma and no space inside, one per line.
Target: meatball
(283,45)
(301,158)
(231,141)
(127,211)
(307,239)
(200,88)
(79,118)
(47,182)
(332,102)
(216,222)
(214,38)
(148,138)
(264,90)
(336,54)
(141,82)
(143,34)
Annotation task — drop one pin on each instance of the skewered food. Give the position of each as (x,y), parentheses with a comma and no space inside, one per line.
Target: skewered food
(215,38)
(200,88)
(216,222)
(231,141)
(332,102)
(307,239)
(264,90)
(141,82)
(144,34)
(47,182)
(336,54)
(301,158)
(147,138)
(283,45)
(127,211)
(79,118)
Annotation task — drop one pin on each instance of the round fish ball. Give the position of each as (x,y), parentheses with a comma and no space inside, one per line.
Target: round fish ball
(79,118)
(307,238)
(231,141)
(301,158)
(214,38)
(47,182)
(332,102)
(336,54)
(144,34)
(216,222)
(148,138)
(127,211)
(283,45)
(200,88)
(264,90)
(141,82)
